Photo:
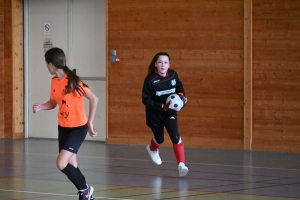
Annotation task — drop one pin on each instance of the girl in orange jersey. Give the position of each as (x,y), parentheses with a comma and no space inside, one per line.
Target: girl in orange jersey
(67,91)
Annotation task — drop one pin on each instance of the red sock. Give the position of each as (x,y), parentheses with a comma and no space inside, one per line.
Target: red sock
(179,152)
(153,145)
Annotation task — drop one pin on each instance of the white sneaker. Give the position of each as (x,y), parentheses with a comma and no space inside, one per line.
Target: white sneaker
(183,170)
(154,155)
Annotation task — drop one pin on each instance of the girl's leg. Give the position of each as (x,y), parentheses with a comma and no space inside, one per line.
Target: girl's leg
(64,158)
(171,125)
(72,172)
(73,161)
(158,133)
(70,140)
(152,148)
(179,152)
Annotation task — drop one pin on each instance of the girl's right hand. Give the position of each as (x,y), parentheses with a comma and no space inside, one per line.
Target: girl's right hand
(92,131)
(37,107)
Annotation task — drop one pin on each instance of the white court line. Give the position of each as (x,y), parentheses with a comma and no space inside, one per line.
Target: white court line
(69,195)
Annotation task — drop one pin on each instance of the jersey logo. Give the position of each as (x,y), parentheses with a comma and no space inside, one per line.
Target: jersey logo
(62,111)
(156,81)
(171,91)
(173,82)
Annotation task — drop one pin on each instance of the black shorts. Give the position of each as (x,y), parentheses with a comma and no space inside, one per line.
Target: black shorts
(70,139)
(170,123)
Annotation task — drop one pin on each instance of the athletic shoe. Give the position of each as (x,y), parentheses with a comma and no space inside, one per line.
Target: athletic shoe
(86,194)
(92,198)
(183,170)
(154,155)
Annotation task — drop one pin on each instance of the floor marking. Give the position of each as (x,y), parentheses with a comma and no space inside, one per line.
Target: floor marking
(147,160)
(68,195)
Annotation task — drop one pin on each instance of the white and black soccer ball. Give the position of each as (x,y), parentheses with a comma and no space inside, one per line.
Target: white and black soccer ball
(176,102)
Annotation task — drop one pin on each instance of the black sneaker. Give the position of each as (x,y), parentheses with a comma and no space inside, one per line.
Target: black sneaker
(92,198)
(86,194)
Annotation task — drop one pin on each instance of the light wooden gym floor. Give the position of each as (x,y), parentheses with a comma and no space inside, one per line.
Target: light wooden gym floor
(125,172)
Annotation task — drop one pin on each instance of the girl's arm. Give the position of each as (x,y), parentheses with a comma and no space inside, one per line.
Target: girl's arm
(92,111)
(45,106)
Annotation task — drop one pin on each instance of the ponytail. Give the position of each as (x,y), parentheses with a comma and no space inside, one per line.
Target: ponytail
(57,57)
(73,81)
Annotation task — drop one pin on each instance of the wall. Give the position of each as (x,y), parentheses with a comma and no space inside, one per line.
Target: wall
(276,75)
(8,69)
(1,68)
(205,42)
(11,69)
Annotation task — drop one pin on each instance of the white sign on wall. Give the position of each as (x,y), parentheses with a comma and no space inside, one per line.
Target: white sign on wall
(47,28)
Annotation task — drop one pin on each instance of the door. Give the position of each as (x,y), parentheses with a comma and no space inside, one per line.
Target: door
(77,27)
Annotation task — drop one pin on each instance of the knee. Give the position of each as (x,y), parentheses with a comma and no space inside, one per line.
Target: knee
(159,140)
(176,139)
(60,164)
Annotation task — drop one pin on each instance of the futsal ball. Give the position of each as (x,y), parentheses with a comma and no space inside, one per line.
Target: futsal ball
(176,102)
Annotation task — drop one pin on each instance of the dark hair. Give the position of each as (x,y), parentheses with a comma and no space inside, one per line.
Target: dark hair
(57,57)
(152,67)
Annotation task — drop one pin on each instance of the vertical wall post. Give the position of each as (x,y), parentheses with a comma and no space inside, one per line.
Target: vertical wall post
(17,68)
(2,92)
(247,74)
(26,69)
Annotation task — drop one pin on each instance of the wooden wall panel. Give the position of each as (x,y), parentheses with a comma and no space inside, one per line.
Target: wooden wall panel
(17,68)
(1,68)
(248,117)
(8,70)
(206,45)
(206,42)
(11,69)
(276,75)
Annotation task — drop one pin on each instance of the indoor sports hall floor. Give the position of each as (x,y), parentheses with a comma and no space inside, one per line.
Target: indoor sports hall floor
(125,172)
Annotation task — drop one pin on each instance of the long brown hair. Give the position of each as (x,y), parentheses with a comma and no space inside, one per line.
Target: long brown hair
(57,57)
(152,67)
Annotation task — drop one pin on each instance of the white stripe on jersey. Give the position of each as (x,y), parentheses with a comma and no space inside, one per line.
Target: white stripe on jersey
(170,91)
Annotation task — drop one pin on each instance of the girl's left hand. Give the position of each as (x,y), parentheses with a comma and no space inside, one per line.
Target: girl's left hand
(183,98)
(92,131)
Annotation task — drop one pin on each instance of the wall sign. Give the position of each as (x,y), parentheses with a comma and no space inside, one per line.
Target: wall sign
(47,28)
